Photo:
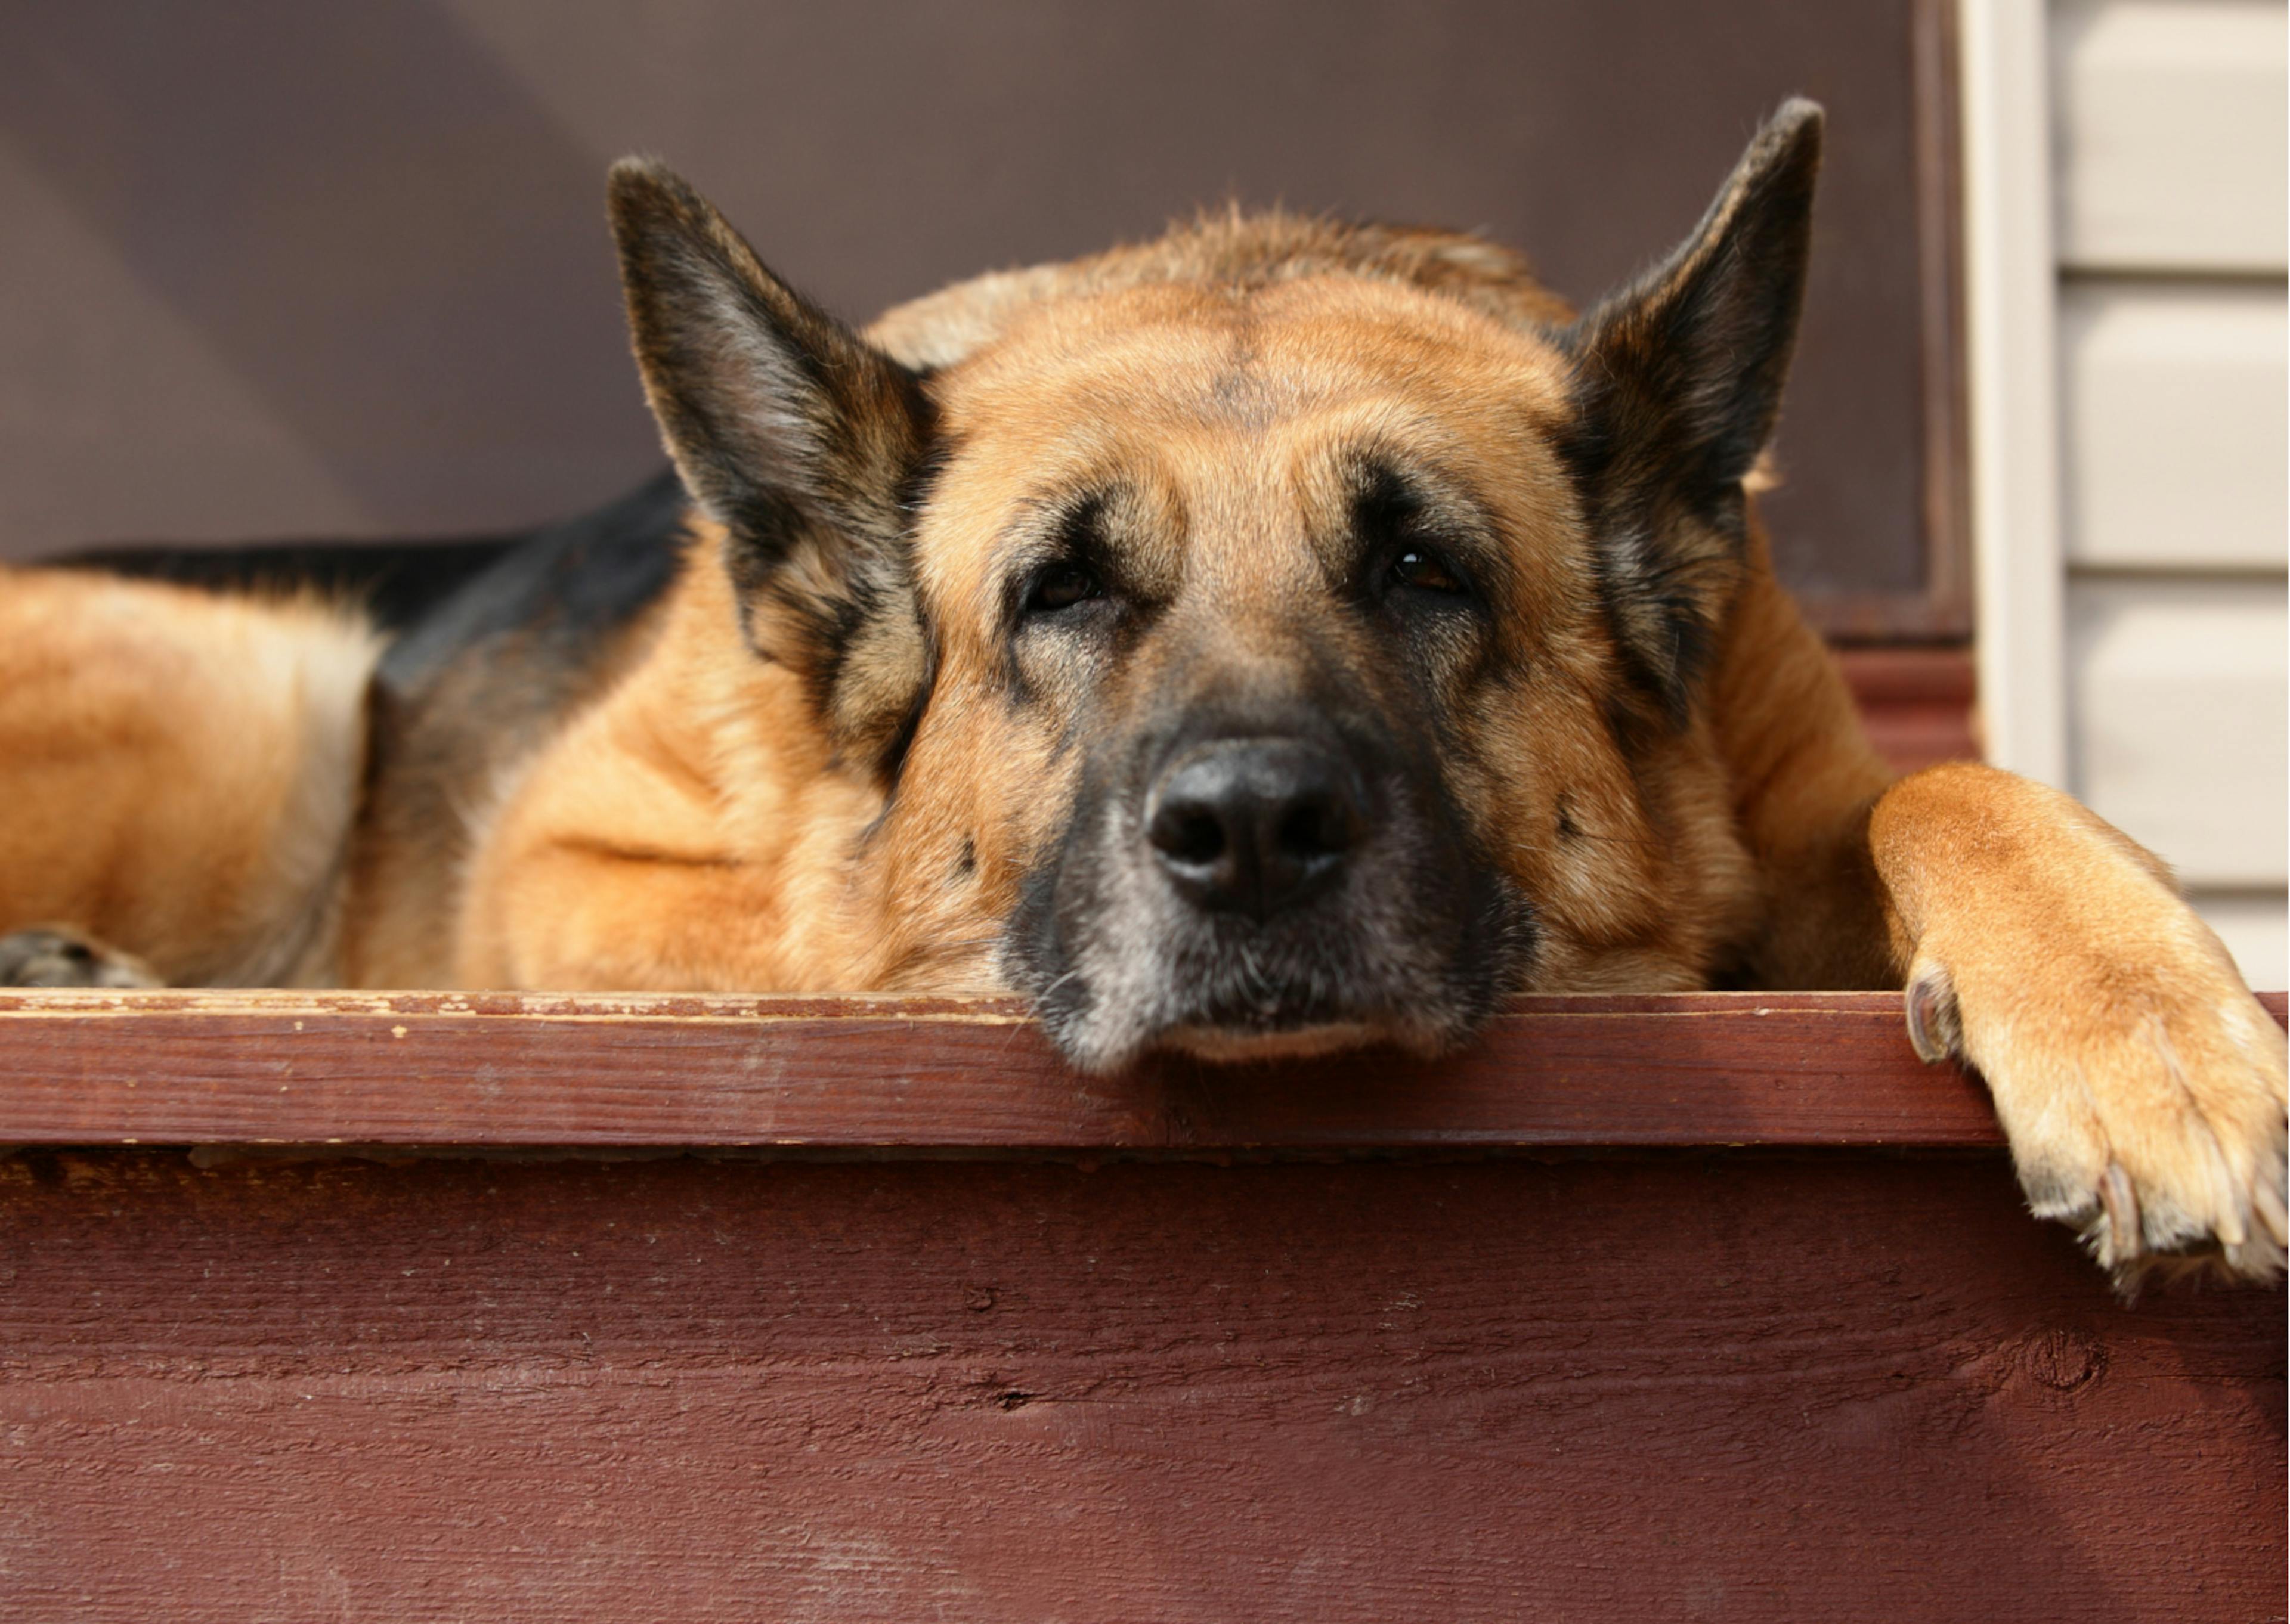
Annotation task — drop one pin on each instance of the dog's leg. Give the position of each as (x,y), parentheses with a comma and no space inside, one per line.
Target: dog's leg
(177,775)
(2141,1085)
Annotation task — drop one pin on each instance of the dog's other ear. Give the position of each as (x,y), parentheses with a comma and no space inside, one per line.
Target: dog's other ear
(801,439)
(1679,384)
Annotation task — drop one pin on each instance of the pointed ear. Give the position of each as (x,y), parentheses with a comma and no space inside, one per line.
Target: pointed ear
(801,439)
(1679,383)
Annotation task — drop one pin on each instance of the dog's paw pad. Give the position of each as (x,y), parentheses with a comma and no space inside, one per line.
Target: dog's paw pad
(54,957)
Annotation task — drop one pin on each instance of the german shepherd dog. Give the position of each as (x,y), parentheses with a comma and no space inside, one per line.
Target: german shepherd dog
(1279,637)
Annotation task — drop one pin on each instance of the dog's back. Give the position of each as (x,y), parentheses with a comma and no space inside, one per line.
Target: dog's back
(222,756)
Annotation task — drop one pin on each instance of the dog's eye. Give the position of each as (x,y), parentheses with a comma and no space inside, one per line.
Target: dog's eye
(1061,586)
(1422,568)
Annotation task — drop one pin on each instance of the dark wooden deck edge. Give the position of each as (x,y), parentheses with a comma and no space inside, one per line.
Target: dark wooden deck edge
(931,1075)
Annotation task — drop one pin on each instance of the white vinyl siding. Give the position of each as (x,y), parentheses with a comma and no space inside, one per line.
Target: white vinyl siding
(2178,704)
(2168,131)
(2173,424)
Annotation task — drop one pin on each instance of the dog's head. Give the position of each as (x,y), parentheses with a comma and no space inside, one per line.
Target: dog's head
(1281,636)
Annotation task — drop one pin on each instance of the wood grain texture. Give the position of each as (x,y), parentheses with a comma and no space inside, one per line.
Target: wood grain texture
(449,1069)
(1753,1386)
(440,1069)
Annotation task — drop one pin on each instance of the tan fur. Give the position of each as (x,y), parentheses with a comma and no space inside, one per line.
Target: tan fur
(691,831)
(2141,1085)
(699,826)
(686,831)
(181,771)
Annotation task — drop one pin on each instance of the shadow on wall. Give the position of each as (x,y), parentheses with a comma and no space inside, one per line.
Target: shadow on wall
(196,139)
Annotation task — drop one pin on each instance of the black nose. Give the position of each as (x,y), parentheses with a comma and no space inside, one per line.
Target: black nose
(1254,824)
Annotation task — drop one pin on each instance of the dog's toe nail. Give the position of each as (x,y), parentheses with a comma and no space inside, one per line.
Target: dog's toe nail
(2121,1202)
(1934,1028)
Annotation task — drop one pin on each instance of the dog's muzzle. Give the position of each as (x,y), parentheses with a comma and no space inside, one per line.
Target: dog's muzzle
(1248,892)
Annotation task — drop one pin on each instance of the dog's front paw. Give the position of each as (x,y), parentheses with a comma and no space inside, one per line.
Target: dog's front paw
(2145,1100)
(53,956)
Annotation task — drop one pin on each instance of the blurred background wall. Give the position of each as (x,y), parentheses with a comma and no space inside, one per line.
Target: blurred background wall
(273,268)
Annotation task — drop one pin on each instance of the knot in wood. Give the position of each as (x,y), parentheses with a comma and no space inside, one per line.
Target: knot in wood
(2065,1359)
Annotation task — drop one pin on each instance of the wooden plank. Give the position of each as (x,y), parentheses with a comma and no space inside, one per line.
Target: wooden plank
(431,1069)
(2177,720)
(1753,1386)
(2174,425)
(180,1067)
(2170,134)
